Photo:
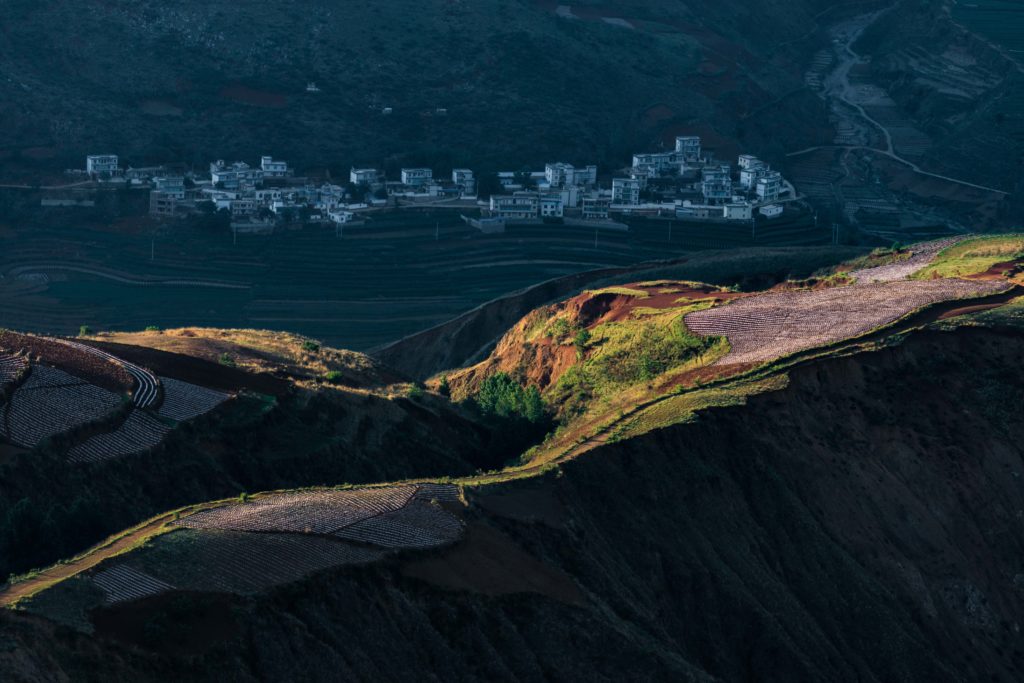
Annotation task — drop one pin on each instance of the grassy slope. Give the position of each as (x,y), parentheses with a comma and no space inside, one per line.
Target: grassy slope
(975,256)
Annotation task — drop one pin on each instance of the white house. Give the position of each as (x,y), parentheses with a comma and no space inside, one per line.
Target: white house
(521,205)
(738,211)
(551,206)
(101,164)
(769,187)
(417,176)
(716,184)
(463,178)
(237,175)
(274,169)
(171,185)
(771,211)
(596,208)
(688,147)
(625,191)
(658,163)
(363,176)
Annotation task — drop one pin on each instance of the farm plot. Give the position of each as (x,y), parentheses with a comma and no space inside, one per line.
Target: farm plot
(51,402)
(71,358)
(419,524)
(147,386)
(922,255)
(122,583)
(11,368)
(316,512)
(769,326)
(139,433)
(245,563)
(184,401)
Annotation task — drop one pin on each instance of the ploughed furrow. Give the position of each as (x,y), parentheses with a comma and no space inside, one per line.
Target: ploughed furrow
(769,326)
(51,402)
(246,563)
(140,432)
(921,256)
(184,401)
(316,512)
(445,493)
(147,386)
(122,583)
(417,525)
(11,368)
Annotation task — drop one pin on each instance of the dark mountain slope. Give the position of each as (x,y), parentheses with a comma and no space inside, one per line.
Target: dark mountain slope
(860,525)
(193,80)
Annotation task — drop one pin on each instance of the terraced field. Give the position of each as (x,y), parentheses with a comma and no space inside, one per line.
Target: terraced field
(765,327)
(184,401)
(140,432)
(51,402)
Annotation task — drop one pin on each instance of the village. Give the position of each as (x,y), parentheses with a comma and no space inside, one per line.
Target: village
(686,183)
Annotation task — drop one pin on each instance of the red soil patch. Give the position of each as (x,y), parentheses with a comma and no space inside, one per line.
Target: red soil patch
(997,271)
(196,370)
(710,373)
(964,310)
(257,98)
(92,369)
(489,562)
(591,310)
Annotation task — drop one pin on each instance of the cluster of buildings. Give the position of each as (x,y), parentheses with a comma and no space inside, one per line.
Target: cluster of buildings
(684,183)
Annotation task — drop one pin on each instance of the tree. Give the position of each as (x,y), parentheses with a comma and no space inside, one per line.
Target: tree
(444,388)
(580,341)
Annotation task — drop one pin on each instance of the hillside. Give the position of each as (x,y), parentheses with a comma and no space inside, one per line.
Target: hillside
(193,82)
(845,559)
(799,481)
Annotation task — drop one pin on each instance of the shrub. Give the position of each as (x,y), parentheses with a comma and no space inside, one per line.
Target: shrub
(333,376)
(444,388)
(243,497)
(311,346)
(84,331)
(415,391)
(152,328)
(227,361)
(580,341)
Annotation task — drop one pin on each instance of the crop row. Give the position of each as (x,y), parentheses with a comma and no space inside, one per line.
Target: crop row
(765,327)
(245,563)
(122,583)
(147,386)
(319,512)
(138,433)
(417,525)
(184,401)
(51,402)
(922,255)
(93,369)
(11,368)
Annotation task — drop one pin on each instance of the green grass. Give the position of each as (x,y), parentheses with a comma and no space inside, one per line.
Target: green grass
(974,256)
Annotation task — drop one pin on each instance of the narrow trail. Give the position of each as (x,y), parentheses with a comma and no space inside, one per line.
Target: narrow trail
(58,572)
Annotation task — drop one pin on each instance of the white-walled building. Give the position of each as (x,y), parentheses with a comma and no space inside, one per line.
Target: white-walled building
(625,191)
(716,184)
(596,208)
(771,211)
(521,205)
(738,211)
(415,177)
(561,174)
(235,176)
(464,179)
(274,169)
(551,206)
(171,185)
(769,187)
(101,164)
(364,176)
(688,146)
(658,163)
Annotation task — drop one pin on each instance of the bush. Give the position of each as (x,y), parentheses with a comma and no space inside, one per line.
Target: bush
(84,331)
(311,346)
(227,361)
(580,341)
(152,328)
(444,388)
(333,376)
(416,391)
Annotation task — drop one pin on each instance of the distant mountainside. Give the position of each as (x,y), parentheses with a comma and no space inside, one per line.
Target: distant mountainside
(489,82)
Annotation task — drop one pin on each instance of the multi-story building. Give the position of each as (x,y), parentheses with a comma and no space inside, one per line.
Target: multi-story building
(463,179)
(274,169)
(738,211)
(561,174)
(235,176)
(521,206)
(414,177)
(596,208)
(751,173)
(103,165)
(658,163)
(551,206)
(769,187)
(688,147)
(716,184)
(364,176)
(625,191)
(171,185)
